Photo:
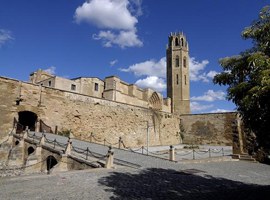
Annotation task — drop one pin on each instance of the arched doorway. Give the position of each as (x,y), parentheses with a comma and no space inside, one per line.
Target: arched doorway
(27,118)
(51,162)
(30,150)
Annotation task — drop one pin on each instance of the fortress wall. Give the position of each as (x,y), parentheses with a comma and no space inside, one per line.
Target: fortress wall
(83,115)
(209,128)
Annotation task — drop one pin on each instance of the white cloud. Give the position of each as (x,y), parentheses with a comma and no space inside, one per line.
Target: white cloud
(197,68)
(210,96)
(148,68)
(196,107)
(5,36)
(220,110)
(153,82)
(113,62)
(51,70)
(122,39)
(112,15)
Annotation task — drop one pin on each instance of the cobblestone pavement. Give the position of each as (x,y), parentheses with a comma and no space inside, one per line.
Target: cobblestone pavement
(222,180)
(155,179)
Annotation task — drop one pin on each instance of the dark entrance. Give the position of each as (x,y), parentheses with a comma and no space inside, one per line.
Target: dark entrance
(26,118)
(30,150)
(51,162)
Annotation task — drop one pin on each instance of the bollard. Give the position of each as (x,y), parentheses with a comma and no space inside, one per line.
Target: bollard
(209,153)
(120,141)
(68,147)
(109,160)
(104,142)
(193,152)
(42,140)
(54,142)
(172,156)
(222,152)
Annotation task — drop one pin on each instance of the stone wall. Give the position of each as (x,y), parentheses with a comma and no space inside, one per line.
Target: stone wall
(210,128)
(84,114)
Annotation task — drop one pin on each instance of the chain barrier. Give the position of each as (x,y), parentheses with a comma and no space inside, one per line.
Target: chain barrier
(86,152)
(23,167)
(113,144)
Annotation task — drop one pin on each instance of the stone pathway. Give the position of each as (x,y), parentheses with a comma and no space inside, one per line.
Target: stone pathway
(224,180)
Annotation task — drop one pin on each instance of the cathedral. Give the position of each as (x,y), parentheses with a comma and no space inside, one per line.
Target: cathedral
(112,88)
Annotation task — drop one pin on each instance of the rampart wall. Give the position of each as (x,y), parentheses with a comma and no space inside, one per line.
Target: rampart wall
(84,114)
(109,120)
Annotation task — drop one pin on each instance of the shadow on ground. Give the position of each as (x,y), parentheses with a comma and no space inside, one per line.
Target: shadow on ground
(156,183)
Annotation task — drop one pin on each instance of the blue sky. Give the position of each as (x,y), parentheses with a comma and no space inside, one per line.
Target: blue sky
(127,38)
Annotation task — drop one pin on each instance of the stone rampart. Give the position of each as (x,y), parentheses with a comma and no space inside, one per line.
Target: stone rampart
(209,128)
(84,114)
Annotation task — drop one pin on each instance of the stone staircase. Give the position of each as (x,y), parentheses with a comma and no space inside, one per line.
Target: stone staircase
(243,157)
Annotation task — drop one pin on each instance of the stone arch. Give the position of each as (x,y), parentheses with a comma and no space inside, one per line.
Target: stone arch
(51,162)
(155,102)
(30,150)
(176,42)
(26,118)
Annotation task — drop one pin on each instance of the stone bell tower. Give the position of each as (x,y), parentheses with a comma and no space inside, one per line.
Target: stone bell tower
(178,73)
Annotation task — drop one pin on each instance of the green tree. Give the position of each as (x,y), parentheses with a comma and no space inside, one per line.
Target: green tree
(248,79)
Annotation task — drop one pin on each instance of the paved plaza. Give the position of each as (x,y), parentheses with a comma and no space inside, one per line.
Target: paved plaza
(145,177)
(209,180)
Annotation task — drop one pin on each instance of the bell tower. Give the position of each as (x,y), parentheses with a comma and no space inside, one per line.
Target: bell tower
(178,73)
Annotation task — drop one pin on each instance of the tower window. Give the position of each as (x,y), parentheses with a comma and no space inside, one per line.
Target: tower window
(176,42)
(50,83)
(177,79)
(185,79)
(177,61)
(96,86)
(73,87)
(182,42)
(185,62)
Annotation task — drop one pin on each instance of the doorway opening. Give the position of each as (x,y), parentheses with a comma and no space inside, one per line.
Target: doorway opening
(26,118)
(51,162)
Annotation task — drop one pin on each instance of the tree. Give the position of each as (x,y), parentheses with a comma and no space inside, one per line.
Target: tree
(248,79)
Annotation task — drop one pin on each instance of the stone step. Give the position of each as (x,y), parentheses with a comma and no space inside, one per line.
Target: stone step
(244,157)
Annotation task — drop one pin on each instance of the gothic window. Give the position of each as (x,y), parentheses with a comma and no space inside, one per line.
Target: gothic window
(73,87)
(176,42)
(182,42)
(185,62)
(96,86)
(177,61)
(177,79)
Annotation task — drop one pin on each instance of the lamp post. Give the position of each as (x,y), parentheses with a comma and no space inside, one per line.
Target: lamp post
(147,137)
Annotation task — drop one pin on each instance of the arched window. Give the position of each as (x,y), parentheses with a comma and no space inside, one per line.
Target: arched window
(177,61)
(185,62)
(177,79)
(182,42)
(176,42)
